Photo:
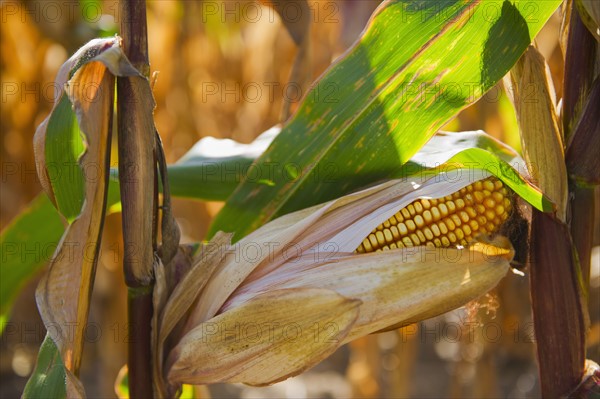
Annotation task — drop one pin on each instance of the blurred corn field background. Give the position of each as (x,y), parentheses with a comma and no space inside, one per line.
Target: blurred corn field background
(223,72)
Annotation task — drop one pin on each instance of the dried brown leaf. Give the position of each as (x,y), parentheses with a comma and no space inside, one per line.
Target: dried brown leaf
(541,134)
(63,294)
(73,264)
(137,168)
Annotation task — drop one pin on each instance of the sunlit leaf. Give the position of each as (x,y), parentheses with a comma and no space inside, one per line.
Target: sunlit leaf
(415,67)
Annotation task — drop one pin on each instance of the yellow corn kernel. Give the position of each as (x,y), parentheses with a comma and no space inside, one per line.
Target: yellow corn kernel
(480,208)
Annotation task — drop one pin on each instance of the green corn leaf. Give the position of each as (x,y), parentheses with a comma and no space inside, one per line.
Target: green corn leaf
(64,146)
(416,66)
(448,151)
(28,244)
(213,168)
(48,378)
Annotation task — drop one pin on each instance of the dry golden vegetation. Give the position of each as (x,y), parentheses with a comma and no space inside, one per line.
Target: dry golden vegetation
(225,75)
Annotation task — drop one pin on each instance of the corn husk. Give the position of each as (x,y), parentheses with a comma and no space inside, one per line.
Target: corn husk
(541,133)
(261,317)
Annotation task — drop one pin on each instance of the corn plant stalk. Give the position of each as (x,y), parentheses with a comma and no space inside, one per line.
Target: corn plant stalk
(580,58)
(557,292)
(581,127)
(137,175)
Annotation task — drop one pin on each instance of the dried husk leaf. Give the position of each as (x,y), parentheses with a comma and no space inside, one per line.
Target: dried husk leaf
(228,277)
(267,339)
(541,135)
(107,51)
(343,223)
(393,288)
(301,229)
(171,307)
(73,264)
(64,292)
(397,287)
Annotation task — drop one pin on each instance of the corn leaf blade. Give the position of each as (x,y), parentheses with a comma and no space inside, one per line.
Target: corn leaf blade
(405,77)
(48,378)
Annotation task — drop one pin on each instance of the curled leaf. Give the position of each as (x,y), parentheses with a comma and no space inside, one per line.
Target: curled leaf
(87,82)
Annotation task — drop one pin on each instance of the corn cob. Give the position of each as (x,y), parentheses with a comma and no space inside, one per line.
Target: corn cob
(456,219)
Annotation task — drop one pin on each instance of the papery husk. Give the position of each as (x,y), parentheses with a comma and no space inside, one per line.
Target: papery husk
(392,288)
(343,222)
(268,339)
(398,287)
(541,133)
(172,301)
(63,294)
(376,290)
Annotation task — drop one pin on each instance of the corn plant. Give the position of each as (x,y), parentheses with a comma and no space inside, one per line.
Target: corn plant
(380,219)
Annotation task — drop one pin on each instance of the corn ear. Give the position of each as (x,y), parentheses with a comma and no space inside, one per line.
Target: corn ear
(480,208)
